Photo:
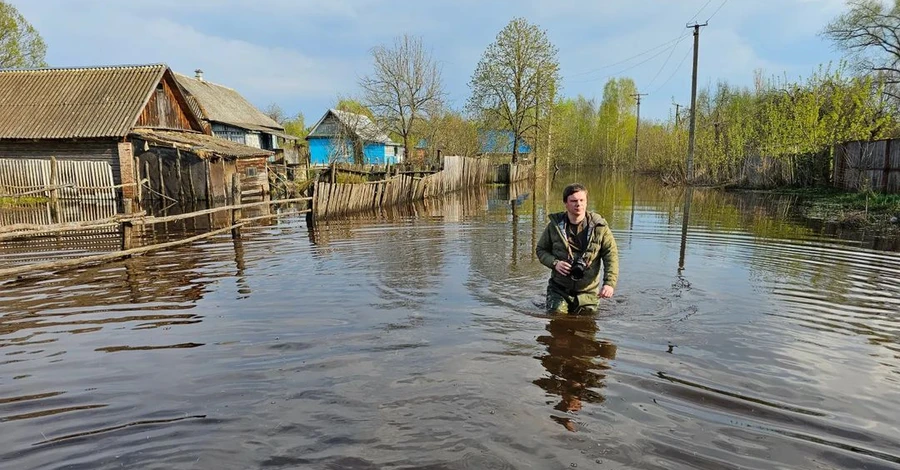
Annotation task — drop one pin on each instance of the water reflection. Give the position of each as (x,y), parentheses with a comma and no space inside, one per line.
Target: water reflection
(575,362)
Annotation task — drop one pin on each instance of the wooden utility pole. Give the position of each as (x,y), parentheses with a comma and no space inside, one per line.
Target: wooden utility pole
(677,115)
(690,158)
(637,127)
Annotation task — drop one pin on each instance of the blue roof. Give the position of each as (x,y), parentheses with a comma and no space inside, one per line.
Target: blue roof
(500,142)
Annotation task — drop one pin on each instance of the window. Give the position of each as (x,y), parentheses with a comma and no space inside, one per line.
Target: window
(251,171)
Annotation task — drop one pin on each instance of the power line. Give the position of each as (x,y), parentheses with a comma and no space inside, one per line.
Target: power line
(717,10)
(700,10)
(628,59)
(620,72)
(664,63)
(683,59)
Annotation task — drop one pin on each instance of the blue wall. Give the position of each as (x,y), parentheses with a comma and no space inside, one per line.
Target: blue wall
(320,149)
(500,142)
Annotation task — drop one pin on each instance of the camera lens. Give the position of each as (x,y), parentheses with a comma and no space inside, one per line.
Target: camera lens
(577,270)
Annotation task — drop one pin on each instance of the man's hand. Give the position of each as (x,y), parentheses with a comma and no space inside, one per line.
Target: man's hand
(606,292)
(562,267)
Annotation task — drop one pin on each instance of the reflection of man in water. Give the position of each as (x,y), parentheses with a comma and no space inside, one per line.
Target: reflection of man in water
(570,361)
(573,244)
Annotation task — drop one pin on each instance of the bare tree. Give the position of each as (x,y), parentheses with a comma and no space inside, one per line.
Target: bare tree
(515,76)
(275,112)
(404,83)
(870,33)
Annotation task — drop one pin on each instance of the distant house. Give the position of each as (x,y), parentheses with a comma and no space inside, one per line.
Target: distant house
(229,115)
(125,124)
(342,136)
(497,142)
(421,149)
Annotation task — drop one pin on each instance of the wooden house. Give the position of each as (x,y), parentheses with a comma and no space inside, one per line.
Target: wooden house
(341,136)
(230,116)
(499,143)
(114,126)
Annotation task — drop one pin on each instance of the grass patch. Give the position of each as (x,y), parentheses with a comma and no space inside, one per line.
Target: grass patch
(350,178)
(855,209)
(22,201)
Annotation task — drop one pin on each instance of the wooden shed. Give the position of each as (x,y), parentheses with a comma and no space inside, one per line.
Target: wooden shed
(90,119)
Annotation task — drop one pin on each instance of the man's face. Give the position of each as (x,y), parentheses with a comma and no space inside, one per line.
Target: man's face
(576,204)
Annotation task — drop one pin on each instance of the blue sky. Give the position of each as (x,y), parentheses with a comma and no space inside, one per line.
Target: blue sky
(305,55)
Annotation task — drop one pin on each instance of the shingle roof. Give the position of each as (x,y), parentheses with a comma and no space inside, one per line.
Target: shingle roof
(201,144)
(217,103)
(360,124)
(74,102)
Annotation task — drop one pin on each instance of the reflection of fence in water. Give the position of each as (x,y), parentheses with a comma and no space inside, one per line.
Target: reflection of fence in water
(60,245)
(452,208)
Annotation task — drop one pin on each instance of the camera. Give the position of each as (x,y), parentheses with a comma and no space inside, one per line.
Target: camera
(576,272)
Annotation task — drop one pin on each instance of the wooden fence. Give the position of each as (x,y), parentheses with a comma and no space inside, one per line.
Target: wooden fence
(126,225)
(72,179)
(868,165)
(331,199)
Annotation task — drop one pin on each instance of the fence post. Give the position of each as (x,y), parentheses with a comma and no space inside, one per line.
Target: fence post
(54,180)
(127,235)
(236,202)
(54,191)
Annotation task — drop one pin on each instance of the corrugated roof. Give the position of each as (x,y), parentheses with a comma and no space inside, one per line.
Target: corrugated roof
(217,103)
(74,102)
(357,123)
(201,144)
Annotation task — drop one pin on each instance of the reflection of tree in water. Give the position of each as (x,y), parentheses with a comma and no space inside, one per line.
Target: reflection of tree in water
(575,360)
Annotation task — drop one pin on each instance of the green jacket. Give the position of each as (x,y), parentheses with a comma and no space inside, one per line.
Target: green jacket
(553,246)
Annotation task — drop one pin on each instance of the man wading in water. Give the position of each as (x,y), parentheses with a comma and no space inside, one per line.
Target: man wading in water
(573,244)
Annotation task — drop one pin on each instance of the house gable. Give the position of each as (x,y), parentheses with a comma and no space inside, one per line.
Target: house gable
(167,108)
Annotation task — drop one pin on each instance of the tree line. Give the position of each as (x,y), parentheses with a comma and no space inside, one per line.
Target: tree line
(515,87)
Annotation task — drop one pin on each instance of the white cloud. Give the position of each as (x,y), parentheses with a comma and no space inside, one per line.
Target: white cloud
(303,54)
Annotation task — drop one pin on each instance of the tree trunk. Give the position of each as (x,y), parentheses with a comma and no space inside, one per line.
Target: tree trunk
(515,149)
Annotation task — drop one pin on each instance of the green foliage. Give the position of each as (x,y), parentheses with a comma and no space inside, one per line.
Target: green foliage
(20,44)
(296,126)
(349,178)
(778,133)
(515,81)
(354,106)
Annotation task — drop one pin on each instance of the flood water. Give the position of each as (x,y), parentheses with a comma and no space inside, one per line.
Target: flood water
(415,339)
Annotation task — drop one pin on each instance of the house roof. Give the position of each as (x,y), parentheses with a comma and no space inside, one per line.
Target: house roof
(359,124)
(202,145)
(74,102)
(217,103)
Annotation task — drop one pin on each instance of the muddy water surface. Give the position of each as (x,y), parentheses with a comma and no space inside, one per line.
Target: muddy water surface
(414,339)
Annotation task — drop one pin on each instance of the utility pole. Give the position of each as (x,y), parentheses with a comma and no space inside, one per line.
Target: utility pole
(637,127)
(690,158)
(677,109)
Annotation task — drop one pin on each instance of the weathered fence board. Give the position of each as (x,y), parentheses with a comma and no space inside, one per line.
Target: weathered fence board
(868,165)
(76,179)
(332,199)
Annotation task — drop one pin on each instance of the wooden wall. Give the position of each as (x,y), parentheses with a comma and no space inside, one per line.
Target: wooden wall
(98,150)
(165,109)
(868,165)
(177,174)
(254,176)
